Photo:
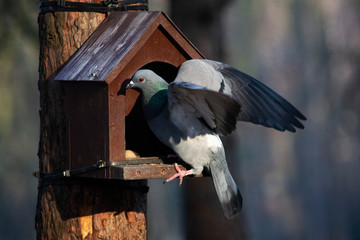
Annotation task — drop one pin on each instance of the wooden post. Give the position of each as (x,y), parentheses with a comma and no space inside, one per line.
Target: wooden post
(72,208)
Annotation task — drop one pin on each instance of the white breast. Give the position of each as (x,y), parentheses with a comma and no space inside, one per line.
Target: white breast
(197,151)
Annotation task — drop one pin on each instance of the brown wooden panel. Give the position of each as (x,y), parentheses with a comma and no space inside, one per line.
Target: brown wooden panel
(85,107)
(136,172)
(116,122)
(139,172)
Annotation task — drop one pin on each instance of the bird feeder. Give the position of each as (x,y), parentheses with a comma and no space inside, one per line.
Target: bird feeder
(104,121)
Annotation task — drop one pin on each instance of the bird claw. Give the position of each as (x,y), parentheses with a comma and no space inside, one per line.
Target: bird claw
(180,174)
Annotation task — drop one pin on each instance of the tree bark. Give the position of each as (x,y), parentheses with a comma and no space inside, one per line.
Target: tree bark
(201,22)
(73,208)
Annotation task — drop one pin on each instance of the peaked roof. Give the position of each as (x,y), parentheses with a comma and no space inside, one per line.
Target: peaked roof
(117,39)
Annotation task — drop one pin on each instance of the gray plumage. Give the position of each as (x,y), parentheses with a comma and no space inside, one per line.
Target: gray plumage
(206,99)
(259,104)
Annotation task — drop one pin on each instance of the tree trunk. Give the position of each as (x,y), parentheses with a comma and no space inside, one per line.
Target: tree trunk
(72,208)
(201,22)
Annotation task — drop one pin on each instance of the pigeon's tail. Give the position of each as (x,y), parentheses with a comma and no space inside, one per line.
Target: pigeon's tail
(226,189)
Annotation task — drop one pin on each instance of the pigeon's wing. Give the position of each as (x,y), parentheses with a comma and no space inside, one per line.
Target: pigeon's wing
(217,110)
(259,104)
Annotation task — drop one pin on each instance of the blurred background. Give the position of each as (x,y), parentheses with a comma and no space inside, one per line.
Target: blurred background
(295,186)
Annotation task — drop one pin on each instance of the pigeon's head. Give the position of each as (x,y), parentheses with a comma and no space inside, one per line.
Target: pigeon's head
(146,80)
(153,90)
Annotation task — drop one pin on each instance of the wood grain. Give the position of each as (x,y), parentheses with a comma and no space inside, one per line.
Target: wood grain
(73,210)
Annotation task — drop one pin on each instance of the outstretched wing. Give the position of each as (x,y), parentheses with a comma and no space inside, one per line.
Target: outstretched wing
(218,111)
(259,103)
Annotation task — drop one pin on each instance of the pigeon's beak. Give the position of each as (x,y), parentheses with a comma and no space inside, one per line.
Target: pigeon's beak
(130,85)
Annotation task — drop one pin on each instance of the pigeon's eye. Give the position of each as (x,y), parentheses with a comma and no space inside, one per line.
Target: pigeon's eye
(141,79)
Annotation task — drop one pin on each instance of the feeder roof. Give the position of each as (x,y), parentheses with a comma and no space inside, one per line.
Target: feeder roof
(112,45)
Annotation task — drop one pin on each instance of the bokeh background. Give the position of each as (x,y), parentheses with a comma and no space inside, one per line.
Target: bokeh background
(295,186)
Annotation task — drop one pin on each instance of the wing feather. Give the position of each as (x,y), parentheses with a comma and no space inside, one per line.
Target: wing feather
(259,103)
(218,111)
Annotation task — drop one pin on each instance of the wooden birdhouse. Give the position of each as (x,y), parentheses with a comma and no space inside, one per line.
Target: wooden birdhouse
(103,119)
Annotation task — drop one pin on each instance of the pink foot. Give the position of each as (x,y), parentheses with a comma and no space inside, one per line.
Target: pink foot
(180,173)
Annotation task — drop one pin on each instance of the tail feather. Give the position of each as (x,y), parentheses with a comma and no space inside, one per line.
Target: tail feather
(226,189)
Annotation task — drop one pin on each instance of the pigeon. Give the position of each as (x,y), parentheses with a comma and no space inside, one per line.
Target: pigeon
(205,101)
